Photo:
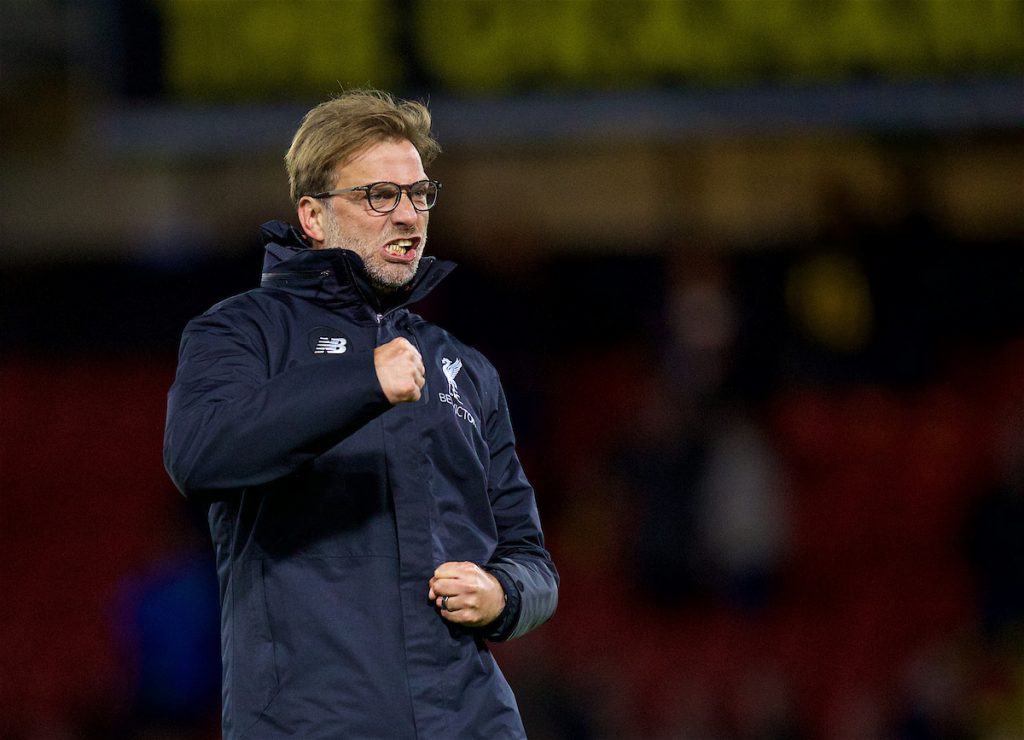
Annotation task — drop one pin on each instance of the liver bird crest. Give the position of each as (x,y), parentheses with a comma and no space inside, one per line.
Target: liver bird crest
(451,369)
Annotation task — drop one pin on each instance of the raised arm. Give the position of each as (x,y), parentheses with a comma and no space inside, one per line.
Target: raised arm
(232,424)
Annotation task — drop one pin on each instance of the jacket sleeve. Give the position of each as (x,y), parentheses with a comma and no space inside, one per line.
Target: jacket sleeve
(230,424)
(520,563)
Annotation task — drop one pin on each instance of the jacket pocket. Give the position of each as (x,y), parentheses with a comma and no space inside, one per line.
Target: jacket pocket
(254,674)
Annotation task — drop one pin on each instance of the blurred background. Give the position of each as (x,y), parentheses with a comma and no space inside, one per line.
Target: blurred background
(751,271)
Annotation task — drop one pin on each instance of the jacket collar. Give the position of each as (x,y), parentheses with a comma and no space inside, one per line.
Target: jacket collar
(335,276)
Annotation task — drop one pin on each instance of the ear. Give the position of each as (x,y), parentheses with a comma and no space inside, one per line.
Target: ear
(311,218)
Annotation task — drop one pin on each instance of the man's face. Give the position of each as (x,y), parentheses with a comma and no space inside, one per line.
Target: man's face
(390,244)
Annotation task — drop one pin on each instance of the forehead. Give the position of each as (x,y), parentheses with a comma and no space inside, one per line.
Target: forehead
(393,160)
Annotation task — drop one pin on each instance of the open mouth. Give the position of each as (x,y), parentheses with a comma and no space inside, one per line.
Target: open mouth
(401,250)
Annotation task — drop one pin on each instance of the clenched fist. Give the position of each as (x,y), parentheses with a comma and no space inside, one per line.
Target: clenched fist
(466,594)
(399,370)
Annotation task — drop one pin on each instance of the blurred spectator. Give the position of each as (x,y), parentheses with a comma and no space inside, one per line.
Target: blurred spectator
(663,457)
(708,488)
(661,466)
(167,623)
(743,510)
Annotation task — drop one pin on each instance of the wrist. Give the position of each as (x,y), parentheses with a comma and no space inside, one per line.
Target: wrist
(503,625)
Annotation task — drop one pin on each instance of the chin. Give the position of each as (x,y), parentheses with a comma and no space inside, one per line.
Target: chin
(390,281)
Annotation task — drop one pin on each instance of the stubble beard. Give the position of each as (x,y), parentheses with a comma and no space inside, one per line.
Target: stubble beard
(385,277)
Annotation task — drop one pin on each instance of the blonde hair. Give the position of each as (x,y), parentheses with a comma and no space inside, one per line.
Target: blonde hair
(334,131)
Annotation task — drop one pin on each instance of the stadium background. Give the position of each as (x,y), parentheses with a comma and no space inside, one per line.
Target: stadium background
(751,271)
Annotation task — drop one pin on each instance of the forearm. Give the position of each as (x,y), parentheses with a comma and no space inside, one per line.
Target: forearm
(531,588)
(520,561)
(253,433)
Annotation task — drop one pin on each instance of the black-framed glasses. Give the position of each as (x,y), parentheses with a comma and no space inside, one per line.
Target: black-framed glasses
(384,197)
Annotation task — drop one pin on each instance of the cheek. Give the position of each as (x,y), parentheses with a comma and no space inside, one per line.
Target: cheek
(366,232)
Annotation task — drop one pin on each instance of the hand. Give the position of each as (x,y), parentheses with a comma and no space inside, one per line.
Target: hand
(400,370)
(475,597)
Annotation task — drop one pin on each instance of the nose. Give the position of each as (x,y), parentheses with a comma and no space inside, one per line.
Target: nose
(404,213)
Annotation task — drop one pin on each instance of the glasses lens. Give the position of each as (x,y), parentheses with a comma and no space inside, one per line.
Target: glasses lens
(423,194)
(383,196)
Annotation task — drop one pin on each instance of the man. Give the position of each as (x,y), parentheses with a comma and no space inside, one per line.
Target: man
(372,524)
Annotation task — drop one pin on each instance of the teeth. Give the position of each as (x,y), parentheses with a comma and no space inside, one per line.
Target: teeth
(399,247)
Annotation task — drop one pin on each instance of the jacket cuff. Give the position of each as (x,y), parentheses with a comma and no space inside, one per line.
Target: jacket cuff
(503,627)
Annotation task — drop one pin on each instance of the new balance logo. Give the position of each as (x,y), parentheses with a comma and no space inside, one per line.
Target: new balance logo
(330,346)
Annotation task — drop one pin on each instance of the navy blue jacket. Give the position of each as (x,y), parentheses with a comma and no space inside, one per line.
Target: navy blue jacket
(330,508)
